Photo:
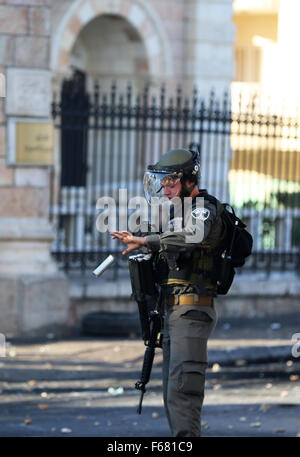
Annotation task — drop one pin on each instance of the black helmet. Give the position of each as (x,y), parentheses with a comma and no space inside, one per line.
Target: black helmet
(180,164)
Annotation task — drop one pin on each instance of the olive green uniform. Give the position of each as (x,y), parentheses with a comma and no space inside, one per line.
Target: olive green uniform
(185,268)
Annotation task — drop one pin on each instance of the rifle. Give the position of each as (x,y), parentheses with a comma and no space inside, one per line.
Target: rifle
(155,341)
(143,285)
(143,288)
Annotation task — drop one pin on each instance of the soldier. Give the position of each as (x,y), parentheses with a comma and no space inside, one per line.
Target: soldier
(185,271)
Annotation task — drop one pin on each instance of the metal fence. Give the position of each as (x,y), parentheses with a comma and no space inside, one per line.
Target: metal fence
(249,158)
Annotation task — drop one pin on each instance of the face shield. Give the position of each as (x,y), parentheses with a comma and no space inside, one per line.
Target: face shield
(154,184)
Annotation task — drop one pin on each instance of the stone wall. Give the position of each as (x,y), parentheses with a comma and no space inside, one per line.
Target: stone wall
(251,295)
(37,37)
(24,51)
(180,37)
(34,295)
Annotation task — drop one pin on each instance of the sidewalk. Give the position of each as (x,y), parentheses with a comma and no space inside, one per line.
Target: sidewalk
(255,340)
(84,386)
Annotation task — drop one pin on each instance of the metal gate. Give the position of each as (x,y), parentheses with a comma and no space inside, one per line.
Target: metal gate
(106,140)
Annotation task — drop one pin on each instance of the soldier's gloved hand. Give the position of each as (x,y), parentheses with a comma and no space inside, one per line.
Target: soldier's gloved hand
(133,242)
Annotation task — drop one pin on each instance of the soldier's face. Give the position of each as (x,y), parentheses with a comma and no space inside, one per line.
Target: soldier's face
(172,187)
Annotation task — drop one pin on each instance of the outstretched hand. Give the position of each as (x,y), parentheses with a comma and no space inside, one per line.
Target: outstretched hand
(133,242)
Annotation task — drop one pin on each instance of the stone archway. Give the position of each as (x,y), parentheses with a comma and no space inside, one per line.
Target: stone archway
(108,49)
(140,15)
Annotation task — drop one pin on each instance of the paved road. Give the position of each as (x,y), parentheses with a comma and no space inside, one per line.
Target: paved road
(85,387)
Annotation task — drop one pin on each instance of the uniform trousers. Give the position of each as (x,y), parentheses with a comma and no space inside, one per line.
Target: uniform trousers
(186,329)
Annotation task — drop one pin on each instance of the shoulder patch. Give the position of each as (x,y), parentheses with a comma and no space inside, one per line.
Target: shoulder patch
(201,213)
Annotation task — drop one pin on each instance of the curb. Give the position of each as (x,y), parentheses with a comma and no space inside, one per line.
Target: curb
(250,354)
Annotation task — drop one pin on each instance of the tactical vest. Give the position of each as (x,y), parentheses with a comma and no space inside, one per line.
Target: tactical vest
(197,267)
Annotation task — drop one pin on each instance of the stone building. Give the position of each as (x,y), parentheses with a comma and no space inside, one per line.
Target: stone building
(42,43)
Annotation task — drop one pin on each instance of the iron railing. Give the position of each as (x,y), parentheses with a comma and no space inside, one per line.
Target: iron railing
(248,157)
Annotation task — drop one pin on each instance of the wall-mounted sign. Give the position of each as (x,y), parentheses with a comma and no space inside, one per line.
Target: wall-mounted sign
(30,142)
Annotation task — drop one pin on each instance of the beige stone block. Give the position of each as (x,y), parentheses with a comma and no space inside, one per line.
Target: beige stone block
(97,7)
(170,9)
(63,58)
(112,6)
(178,49)
(178,66)
(124,8)
(68,40)
(33,305)
(13,19)
(23,202)
(136,16)
(45,303)
(6,50)
(31,177)
(146,28)
(28,92)
(86,13)
(40,21)
(174,30)
(8,306)
(9,322)
(221,12)
(6,174)
(75,25)
(209,11)
(228,307)
(30,2)
(224,53)
(210,32)
(25,246)
(141,66)
(2,141)
(153,45)
(32,52)
(162,8)
(156,65)
(177,12)
(2,119)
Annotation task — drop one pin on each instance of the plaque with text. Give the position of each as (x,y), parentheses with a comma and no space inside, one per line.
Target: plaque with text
(34,143)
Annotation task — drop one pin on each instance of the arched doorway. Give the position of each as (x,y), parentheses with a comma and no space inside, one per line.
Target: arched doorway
(108,49)
(92,142)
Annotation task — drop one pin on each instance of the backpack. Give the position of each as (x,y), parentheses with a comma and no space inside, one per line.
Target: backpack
(234,248)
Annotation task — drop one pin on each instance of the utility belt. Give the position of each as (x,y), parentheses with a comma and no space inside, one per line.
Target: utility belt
(192,299)
(144,290)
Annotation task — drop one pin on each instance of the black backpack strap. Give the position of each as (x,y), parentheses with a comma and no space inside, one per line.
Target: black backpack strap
(203,193)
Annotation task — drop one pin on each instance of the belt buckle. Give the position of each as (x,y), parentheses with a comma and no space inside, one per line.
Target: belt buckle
(196,298)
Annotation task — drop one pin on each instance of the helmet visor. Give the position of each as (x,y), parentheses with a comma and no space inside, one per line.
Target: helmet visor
(154,183)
